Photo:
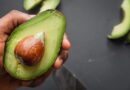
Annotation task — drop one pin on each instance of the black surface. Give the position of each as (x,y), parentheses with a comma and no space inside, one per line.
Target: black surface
(65,80)
(99,63)
(49,84)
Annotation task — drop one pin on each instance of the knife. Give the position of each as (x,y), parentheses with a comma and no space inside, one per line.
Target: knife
(65,80)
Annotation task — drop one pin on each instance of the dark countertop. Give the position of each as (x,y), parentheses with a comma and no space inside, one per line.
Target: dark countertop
(99,63)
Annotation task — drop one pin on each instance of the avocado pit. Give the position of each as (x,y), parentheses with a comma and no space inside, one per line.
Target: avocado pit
(30,49)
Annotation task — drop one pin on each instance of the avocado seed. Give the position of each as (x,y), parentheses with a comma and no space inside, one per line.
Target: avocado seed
(30,49)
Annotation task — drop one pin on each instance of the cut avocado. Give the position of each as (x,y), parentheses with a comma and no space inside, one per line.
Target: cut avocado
(49,4)
(123,28)
(30,4)
(53,24)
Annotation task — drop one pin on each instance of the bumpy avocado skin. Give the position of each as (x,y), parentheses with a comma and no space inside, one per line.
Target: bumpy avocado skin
(30,4)
(51,22)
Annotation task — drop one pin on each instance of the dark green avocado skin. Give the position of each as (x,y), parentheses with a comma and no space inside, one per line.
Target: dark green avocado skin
(53,24)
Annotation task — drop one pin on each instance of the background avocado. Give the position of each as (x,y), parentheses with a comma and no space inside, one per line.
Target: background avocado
(49,4)
(30,4)
(53,24)
(46,4)
(123,27)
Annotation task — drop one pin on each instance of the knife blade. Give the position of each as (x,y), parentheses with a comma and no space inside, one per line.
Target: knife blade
(65,80)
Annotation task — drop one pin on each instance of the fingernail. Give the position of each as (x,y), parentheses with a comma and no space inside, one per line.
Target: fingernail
(58,63)
(68,43)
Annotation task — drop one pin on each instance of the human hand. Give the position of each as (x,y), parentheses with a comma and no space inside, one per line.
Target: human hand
(7,24)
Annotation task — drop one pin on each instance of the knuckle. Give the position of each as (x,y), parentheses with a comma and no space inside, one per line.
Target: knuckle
(2,26)
(11,14)
(13,11)
(64,55)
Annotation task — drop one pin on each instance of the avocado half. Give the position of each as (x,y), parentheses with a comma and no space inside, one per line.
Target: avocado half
(53,24)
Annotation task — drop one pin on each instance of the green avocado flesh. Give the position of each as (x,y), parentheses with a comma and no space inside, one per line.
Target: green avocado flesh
(53,24)
(30,4)
(49,4)
(123,28)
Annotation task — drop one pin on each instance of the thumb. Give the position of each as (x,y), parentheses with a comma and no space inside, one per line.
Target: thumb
(11,20)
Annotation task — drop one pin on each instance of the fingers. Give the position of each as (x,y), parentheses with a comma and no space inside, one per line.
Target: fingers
(37,81)
(58,63)
(7,82)
(2,44)
(66,43)
(2,71)
(61,59)
(63,55)
(3,37)
(11,20)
